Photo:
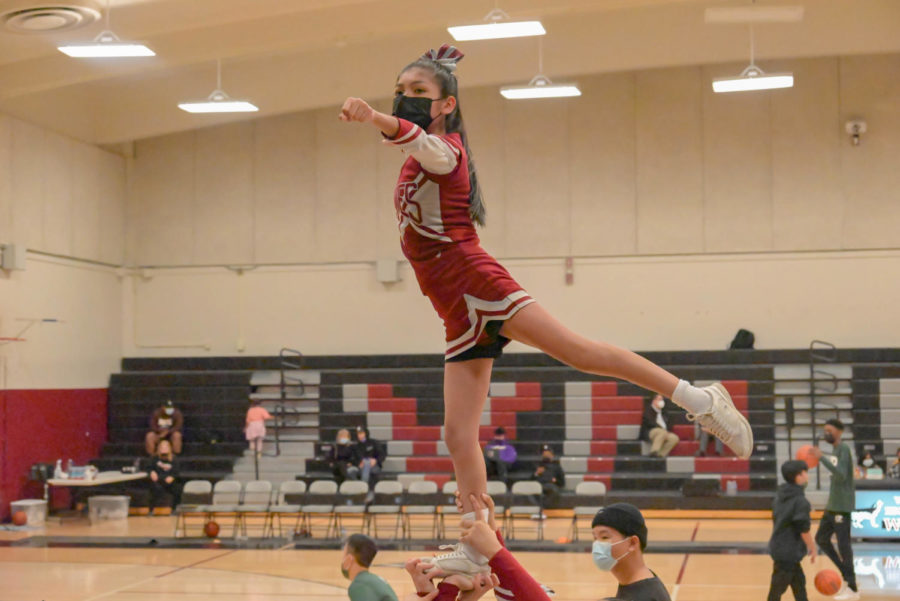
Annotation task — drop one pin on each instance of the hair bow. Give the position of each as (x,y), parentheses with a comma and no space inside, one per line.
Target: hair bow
(447,56)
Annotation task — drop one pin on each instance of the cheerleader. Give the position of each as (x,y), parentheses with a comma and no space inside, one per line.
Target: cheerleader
(438,203)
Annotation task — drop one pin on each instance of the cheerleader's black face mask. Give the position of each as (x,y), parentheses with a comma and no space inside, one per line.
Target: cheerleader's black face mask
(415,109)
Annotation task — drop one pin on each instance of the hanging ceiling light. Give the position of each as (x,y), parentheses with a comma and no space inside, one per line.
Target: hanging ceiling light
(218,101)
(106,45)
(754,78)
(497,25)
(540,85)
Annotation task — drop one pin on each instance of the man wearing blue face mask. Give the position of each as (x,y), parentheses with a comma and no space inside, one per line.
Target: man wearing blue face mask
(620,537)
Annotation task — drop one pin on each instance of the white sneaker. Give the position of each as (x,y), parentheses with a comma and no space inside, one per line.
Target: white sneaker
(846,594)
(457,562)
(725,422)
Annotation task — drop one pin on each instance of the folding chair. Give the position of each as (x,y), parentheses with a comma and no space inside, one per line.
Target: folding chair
(255,503)
(448,494)
(351,501)
(226,498)
(527,500)
(319,502)
(387,500)
(291,495)
(590,497)
(196,493)
(422,498)
(498,491)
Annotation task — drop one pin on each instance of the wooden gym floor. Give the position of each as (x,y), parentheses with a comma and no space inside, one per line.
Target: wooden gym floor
(58,569)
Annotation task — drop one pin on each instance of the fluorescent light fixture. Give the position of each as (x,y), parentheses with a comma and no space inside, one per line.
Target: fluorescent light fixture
(218,104)
(106,45)
(754,14)
(497,25)
(493,31)
(218,101)
(753,78)
(540,87)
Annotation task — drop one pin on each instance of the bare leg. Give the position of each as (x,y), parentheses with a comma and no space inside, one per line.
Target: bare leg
(175,437)
(533,325)
(150,442)
(466,386)
(711,406)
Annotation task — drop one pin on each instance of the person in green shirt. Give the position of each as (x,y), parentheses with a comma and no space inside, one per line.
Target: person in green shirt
(359,551)
(841,502)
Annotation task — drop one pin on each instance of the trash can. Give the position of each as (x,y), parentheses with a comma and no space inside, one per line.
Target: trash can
(35,509)
(108,507)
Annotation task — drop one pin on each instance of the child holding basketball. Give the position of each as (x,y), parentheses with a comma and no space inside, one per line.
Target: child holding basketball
(791,539)
(438,202)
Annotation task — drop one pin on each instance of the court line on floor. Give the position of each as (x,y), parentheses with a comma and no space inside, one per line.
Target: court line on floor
(121,589)
(196,563)
(684,565)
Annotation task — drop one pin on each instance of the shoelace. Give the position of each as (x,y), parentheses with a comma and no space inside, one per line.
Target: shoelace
(717,428)
(457,552)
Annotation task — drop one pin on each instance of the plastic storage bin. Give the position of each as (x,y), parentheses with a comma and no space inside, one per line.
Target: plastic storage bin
(108,507)
(36,509)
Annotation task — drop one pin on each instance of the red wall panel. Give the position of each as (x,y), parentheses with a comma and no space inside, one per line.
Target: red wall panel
(43,426)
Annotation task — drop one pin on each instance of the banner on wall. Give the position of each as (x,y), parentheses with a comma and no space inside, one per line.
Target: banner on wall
(877,514)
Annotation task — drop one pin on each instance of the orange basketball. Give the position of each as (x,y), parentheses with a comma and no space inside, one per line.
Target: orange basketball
(828,582)
(20,518)
(211,529)
(805,453)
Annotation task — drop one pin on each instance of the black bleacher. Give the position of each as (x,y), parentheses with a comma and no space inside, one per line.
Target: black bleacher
(212,393)
(213,402)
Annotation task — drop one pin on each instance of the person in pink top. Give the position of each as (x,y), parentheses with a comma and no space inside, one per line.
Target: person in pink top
(255,430)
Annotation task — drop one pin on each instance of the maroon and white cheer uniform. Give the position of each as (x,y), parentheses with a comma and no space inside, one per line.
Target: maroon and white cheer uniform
(469,289)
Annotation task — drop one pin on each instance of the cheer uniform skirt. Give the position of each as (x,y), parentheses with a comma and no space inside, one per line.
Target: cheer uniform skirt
(474,295)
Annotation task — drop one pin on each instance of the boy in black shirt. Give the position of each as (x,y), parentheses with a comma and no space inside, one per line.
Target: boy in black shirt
(551,476)
(163,471)
(620,537)
(791,539)
(369,456)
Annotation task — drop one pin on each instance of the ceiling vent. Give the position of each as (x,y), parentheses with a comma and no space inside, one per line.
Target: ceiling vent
(49,19)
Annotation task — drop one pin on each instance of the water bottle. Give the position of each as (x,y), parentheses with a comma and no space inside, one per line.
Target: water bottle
(69,467)
(58,471)
(731,488)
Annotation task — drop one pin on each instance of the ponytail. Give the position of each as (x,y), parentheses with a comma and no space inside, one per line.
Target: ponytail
(477,211)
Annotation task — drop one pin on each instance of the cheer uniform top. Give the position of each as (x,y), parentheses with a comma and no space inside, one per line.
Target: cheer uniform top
(469,289)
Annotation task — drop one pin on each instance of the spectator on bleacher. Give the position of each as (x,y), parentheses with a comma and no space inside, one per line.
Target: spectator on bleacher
(343,457)
(165,424)
(499,455)
(620,537)
(869,469)
(255,428)
(703,436)
(370,455)
(656,429)
(359,551)
(551,476)
(894,470)
(163,471)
